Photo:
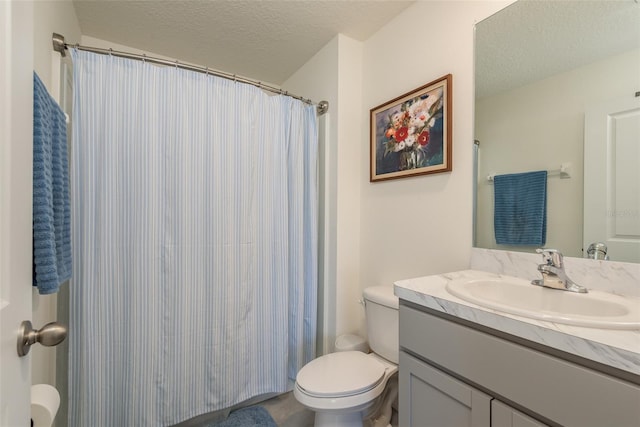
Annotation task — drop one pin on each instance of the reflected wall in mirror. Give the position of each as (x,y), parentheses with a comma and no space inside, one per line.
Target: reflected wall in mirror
(541,67)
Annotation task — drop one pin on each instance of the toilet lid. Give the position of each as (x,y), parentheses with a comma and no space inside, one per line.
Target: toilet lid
(340,374)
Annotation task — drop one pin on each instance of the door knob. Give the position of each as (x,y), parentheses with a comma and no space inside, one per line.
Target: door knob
(49,335)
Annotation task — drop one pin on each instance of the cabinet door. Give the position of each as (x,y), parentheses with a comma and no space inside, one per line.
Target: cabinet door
(503,415)
(430,397)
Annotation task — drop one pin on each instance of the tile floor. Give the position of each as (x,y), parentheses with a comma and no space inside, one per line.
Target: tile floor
(287,412)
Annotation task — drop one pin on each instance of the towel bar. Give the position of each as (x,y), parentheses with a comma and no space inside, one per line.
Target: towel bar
(564,172)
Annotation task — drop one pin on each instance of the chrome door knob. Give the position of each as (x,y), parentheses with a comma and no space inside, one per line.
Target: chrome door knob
(49,335)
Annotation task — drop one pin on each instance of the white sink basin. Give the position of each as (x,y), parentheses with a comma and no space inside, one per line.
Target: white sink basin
(517,296)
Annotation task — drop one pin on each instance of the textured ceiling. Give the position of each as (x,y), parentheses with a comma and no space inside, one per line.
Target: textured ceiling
(531,40)
(265,40)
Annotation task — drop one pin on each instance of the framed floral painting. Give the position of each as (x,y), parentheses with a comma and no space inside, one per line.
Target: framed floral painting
(411,134)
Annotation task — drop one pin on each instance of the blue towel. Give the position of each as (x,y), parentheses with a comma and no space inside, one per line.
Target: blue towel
(520,214)
(51,210)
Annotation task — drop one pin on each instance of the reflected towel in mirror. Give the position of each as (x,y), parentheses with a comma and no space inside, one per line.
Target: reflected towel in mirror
(520,208)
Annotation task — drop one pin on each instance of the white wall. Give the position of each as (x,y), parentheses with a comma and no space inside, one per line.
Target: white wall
(334,74)
(52,16)
(540,125)
(409,227)
(349,313)
(421,225)
(49,17)
(318,80)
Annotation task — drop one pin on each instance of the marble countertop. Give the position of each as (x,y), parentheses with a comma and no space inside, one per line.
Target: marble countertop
(616,348)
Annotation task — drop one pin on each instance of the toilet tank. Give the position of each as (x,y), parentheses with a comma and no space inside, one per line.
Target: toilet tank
(381,310)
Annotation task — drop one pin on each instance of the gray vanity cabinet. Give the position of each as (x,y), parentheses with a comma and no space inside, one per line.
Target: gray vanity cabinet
(433,398)
(503,415)
(455,374)
(438,399)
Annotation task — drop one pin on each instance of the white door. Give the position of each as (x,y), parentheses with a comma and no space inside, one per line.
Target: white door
(16,100)
(612,177)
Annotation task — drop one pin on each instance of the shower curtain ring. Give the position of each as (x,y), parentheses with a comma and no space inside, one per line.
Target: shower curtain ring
(234,78)
(144,57)
(207,70)
(110,51)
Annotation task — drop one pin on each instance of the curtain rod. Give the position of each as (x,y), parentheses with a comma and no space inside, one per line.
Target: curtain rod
(59,45)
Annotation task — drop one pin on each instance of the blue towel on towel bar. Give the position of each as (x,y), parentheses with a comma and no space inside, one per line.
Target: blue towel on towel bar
(520,214)
(51,209)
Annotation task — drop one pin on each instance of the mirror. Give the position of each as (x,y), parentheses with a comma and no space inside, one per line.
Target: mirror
(540,68)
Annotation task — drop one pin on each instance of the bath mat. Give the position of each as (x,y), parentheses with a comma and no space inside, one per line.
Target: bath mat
(253,416)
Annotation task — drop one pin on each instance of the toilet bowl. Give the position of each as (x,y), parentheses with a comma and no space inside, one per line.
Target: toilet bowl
(345,388)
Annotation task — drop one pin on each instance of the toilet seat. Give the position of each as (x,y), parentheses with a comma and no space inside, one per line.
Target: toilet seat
(340,374)
(355,397)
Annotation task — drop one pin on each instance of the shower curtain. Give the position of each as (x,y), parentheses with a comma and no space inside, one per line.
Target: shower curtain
(194,211)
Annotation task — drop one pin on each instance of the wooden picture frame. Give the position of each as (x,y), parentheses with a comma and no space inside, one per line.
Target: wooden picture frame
(411,134)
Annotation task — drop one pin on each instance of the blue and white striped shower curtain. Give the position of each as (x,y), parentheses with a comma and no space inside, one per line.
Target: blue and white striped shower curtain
(194,210)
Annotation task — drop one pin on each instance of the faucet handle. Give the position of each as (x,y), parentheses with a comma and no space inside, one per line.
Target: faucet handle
(551,256)
(598,250)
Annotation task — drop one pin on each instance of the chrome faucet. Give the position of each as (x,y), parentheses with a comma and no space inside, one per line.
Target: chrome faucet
(553,274)
(597,250)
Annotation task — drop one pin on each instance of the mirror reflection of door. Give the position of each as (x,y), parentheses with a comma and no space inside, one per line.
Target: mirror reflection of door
(612,177)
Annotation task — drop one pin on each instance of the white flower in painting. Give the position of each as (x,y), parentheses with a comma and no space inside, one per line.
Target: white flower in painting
(411,139)
(396,120)
(399,146)
(414,108)
(417,122)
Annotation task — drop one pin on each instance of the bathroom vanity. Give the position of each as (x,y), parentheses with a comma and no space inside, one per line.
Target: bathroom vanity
(463,364)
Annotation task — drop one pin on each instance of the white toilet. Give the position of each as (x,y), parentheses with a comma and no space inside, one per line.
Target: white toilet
(346,388)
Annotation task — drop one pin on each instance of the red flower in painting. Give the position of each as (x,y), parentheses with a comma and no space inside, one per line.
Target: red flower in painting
(423,138)
(401,134)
